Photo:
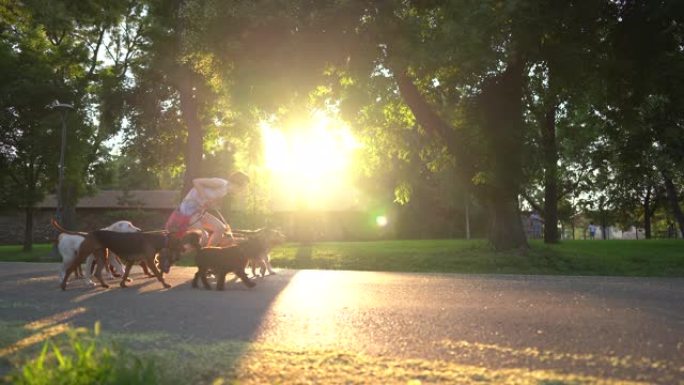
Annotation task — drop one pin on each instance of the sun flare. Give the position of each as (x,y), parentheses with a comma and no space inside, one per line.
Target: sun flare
(310,164)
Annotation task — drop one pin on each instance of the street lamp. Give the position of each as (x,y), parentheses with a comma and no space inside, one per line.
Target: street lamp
(64,108)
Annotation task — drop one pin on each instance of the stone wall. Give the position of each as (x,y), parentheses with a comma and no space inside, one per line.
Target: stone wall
(298,227)
(12,227)
(12,222)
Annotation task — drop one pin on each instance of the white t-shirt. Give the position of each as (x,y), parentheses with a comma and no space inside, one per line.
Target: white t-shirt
(193,203)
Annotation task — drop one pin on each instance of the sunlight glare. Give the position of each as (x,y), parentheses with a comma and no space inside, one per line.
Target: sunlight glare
(310,163)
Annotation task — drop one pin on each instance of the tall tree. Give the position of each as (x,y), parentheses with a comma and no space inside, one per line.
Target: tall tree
(432,62)
(28,129)
(564,76)
(60,47)
(645,87)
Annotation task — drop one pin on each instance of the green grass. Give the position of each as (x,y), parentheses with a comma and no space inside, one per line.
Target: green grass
(79,357)
(628,257)
(620,258)
(82,358)
(617,258)
(14,253)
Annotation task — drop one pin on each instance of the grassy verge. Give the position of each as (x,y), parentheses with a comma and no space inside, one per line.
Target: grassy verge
(618,258)
(79,357)
(658,258)
(146,358)
(14,253)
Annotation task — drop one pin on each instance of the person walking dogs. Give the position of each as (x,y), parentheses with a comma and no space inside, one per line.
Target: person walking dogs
(205,193)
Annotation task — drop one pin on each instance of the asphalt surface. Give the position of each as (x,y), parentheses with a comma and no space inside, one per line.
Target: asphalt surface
(619,328)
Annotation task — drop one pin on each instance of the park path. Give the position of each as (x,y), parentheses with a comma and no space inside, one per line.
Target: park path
(608,327)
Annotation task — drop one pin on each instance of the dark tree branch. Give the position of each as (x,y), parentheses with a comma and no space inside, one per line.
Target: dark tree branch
(535,205)
(93,63)
(428,119)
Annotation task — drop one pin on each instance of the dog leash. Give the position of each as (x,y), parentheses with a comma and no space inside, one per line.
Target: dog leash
(220,216)
(199,217)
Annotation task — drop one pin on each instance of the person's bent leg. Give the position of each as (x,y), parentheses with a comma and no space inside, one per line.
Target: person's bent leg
(216,227)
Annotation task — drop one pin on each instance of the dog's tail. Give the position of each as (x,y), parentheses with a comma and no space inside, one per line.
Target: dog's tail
(61,229)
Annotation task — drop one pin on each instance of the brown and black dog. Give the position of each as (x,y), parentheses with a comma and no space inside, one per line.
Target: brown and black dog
(131,248)
(224,260)
(269,238)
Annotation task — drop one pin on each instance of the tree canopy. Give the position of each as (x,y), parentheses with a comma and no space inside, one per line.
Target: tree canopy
(561,108)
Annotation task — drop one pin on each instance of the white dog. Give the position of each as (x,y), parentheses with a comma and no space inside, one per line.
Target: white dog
(68,248)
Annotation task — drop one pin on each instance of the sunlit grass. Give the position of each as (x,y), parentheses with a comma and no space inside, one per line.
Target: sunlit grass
(621,258)
(273,364)
(616,258)
(149,358)
(82,358)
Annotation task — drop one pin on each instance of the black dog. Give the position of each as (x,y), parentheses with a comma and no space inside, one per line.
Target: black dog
(224,260)
(131,248)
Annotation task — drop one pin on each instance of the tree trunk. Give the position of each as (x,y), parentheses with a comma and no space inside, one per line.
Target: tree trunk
(647,214)
(604,225)
(194,149)
(467,216)
(500,107)
(673,200)
(28,229)
(505,226)
(572,223)
(550,151)
(30,199)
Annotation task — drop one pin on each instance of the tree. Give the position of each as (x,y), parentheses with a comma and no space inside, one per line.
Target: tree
(645,88)
(460,70)
(564,82)
(27,128)
(180,99)
(55,48)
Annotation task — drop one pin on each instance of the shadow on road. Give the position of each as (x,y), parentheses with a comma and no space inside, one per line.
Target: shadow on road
(143,314)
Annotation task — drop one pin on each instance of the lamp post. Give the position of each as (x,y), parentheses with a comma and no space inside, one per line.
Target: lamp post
(64,108)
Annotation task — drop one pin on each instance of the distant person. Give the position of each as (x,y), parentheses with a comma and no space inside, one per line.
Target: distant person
(205,193)
(671,233)
(592,230)
(536,224)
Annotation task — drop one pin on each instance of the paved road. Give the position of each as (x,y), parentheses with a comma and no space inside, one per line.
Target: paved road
(621,328)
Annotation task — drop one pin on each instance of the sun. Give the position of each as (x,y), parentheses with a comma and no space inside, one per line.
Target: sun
(309,165)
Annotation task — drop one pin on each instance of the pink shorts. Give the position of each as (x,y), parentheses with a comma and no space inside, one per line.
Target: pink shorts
(177,224)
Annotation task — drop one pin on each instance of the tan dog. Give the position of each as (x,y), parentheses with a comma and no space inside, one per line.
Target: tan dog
(268,238)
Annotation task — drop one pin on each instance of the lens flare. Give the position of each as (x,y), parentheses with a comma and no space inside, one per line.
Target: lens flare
(381,220)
